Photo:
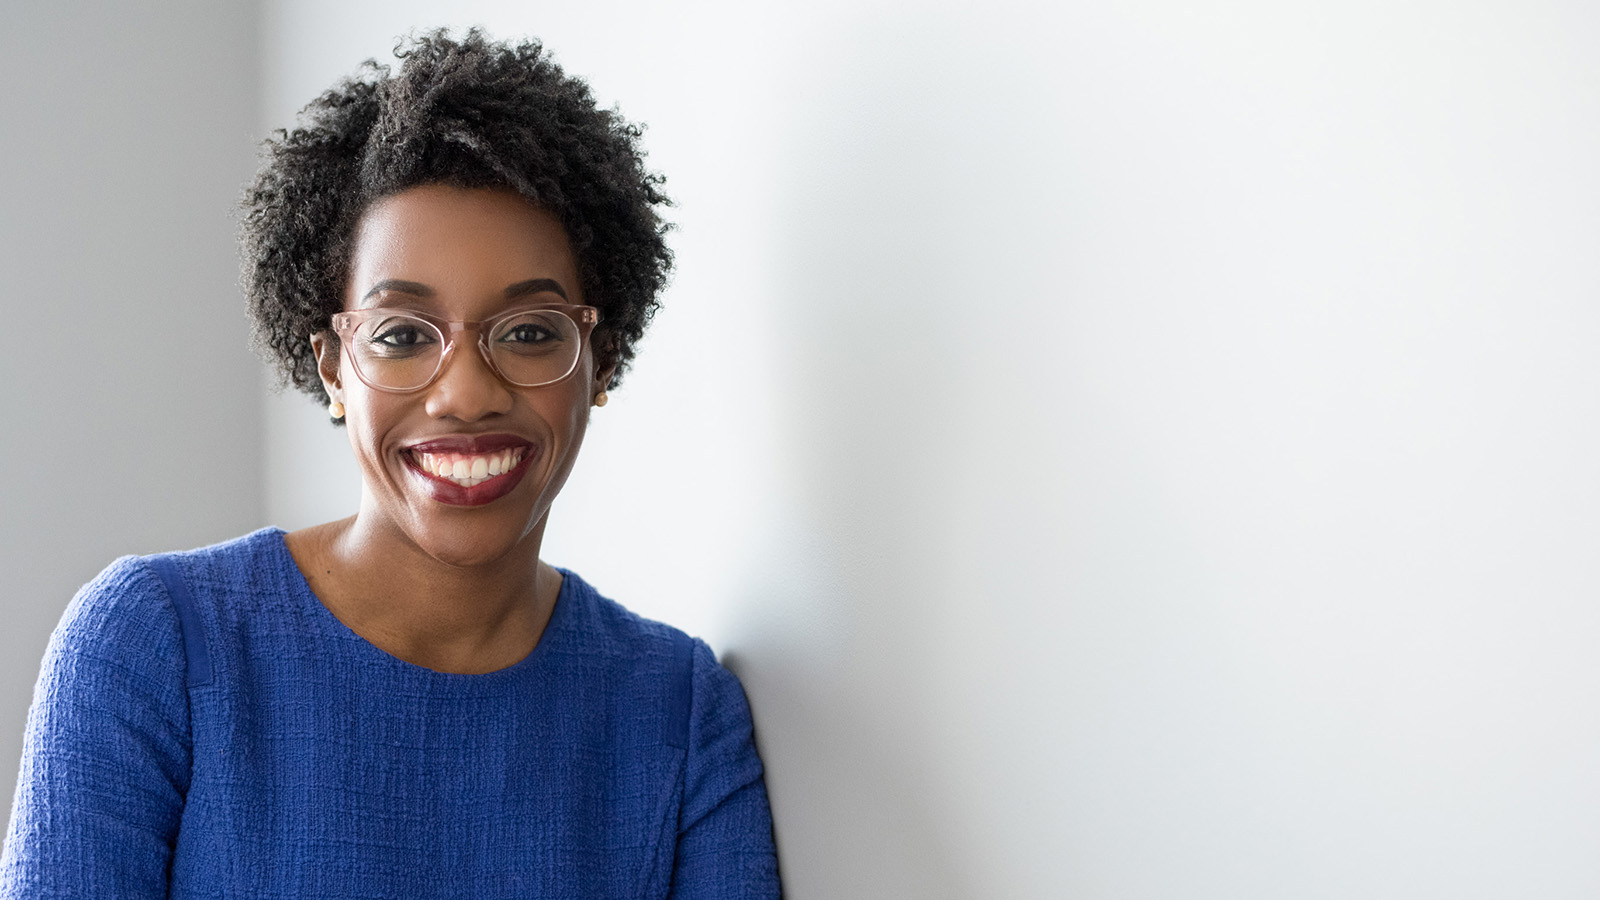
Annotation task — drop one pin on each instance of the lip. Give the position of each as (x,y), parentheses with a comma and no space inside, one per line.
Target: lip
(470,443)
(452,494)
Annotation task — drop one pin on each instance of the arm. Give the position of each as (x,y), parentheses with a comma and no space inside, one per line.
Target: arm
(725,849)
(106,757)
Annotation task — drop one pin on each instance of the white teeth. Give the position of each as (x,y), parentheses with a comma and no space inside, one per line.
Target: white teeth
(468,470)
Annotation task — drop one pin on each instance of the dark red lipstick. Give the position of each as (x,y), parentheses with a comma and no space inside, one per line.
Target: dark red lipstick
(470,444)
(493,488)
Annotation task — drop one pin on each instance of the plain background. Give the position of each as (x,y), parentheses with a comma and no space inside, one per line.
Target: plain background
(1128,450)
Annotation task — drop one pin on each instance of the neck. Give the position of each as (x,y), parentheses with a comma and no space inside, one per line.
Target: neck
(463,615)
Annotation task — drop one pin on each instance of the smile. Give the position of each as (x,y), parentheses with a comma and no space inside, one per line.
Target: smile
(466,469)
(470,471)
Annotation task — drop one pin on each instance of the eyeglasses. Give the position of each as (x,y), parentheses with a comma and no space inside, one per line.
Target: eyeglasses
(399,350)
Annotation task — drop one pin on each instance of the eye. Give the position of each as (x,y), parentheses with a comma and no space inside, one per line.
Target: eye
(396,337)
(399,335)
(528,333)
(534,334)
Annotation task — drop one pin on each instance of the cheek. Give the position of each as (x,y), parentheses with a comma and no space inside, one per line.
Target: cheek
(367,413)
(358,428)
(567,403)
(578,405)
(565,409)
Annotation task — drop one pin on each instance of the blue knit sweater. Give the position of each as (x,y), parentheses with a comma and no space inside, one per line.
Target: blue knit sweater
(242,742)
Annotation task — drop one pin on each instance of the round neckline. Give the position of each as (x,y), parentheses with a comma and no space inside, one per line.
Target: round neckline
(297,586)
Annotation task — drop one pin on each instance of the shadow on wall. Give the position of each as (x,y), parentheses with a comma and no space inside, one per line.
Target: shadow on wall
(849,822)
(908,247)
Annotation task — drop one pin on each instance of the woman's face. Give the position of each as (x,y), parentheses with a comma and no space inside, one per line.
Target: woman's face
(462,255)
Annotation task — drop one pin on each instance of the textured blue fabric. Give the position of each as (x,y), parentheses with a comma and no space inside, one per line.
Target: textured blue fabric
(309,763)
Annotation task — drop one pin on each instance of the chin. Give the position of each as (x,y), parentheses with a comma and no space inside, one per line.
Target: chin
(476,524)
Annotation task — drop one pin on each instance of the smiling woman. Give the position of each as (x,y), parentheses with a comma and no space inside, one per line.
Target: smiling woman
(457,259)
(428,419)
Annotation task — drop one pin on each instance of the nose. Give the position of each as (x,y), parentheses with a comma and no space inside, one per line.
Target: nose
(467,389)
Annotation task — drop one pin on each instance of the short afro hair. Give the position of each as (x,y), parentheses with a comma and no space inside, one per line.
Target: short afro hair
(473,114)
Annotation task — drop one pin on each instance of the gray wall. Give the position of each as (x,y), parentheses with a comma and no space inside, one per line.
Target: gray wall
(1128,450)
(130,417)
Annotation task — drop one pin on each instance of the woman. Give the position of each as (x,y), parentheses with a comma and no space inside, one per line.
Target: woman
(458,260)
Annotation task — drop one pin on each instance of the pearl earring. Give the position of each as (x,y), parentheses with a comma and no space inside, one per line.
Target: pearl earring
(600,399)
(336,409)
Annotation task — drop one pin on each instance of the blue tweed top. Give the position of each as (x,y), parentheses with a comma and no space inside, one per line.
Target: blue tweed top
(242,742)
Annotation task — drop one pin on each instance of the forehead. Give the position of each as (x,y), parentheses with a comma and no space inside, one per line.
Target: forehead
(465,244)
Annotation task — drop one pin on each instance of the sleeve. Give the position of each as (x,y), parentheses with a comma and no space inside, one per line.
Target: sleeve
(725,846)
(106,757)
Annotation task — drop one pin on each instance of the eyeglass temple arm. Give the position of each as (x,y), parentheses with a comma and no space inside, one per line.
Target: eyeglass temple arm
(586,316)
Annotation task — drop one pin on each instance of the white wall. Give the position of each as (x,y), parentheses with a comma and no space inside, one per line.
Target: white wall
(1134,450)
(128,417)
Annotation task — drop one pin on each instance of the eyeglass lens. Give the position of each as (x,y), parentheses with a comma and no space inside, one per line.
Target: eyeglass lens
(402,352)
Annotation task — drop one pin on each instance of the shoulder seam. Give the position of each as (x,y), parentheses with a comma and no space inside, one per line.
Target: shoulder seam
(680,696)
(196,652)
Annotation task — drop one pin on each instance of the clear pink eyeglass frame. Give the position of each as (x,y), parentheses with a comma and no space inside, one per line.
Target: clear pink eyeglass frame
(345,324)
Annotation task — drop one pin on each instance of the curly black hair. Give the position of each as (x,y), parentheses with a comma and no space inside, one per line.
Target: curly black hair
(470,113)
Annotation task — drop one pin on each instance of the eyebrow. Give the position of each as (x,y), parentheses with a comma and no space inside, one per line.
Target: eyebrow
(416,289)
(395,285)
(535,286)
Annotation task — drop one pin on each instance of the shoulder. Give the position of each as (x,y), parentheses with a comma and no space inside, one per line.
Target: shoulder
(222,587)
(721,738)
(598,625)
(127,614)
(606,626)
(106,755)
(116,656)
(715,716)
(252,561)
(123,608)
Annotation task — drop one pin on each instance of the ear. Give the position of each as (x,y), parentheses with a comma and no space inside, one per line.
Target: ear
(602,377)
(326,347)
(606,366)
